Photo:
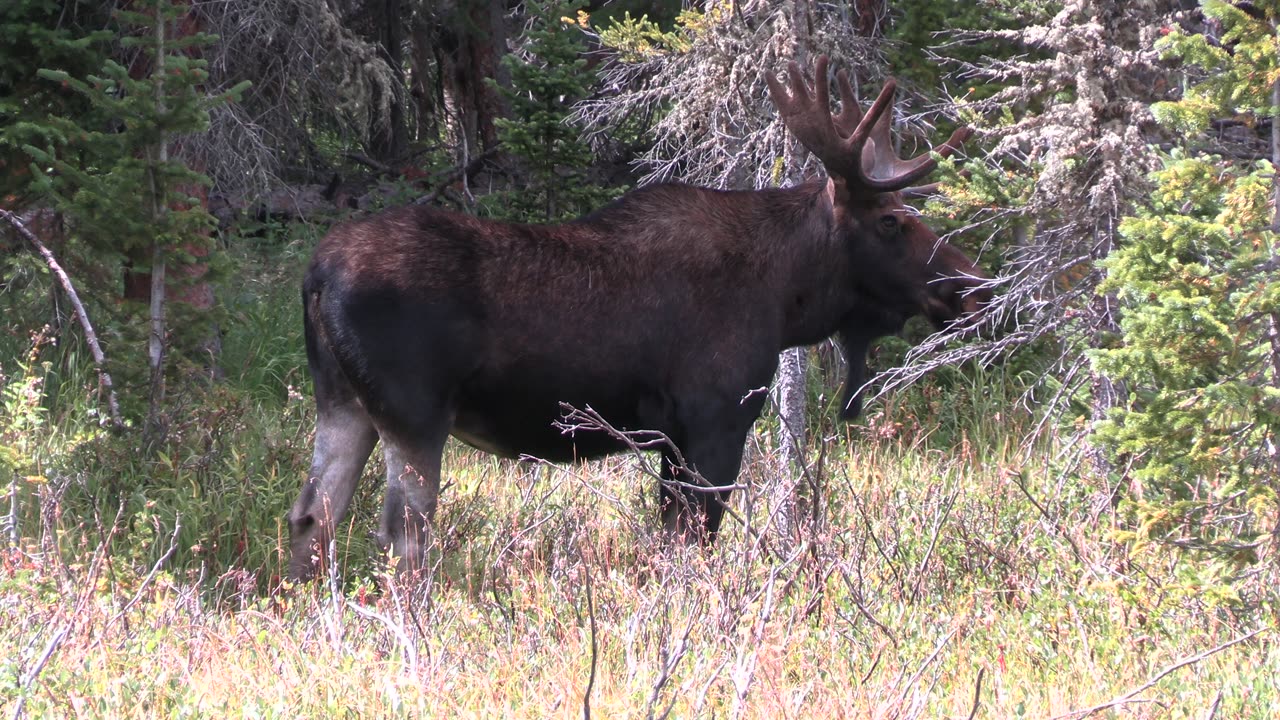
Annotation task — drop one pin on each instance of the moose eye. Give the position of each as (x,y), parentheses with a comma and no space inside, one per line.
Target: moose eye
(889,223)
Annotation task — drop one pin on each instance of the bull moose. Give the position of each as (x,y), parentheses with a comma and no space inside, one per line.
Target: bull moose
(663,311)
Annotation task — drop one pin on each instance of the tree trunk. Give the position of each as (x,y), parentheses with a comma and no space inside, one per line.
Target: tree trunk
(793,372)
(389,140)
(187,284)
(793,364)
(424,84)
(1273,332)
(156,338)
(1273,329)
(474,43)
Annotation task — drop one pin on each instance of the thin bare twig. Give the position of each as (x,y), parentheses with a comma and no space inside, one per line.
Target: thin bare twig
(462,173)
(168,553)
(977,693)
(1213,709)
(54,643)
(595,649)
(396,629)
(1129,696)
(915,677)
(88,587)
(638,441)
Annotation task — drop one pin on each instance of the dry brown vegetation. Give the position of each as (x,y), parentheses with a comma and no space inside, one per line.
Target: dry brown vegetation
(935,584)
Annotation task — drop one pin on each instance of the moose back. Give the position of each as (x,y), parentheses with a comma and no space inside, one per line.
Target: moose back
(663,311)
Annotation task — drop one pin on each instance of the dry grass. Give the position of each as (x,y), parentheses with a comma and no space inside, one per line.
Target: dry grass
(931,577)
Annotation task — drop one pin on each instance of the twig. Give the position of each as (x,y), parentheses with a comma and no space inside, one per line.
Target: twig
(1128,697)
(99,360)
(637,441)
(855,594)
(669,659)
(34,673)
(88,585)
(933,543)
(1057,526)
(466,171)
(396,629)
(977,693)
(595,649)
(381,168)
(173,546)
(902,699)
(1213,709)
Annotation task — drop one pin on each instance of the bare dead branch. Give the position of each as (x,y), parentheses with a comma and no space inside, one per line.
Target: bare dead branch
(637,442)
(306,62)
(99,359)
(361,158)
(463,173)
(595,646)
(155,568)
(29,680)
(977,693)
(915,677)
(724,133)
(1129,696)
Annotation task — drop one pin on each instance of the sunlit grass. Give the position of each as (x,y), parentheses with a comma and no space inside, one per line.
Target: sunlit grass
(926,571)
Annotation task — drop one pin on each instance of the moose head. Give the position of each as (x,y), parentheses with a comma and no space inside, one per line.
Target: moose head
(866,184)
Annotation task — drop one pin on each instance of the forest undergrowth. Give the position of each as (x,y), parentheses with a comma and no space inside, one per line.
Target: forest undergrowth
(948,569)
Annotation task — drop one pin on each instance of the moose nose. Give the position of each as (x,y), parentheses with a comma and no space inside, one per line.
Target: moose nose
(973,298)
(965,299)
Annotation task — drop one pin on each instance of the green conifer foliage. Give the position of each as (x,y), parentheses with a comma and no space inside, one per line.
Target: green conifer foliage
(113,171)
(1197,278)
(38,34)
(544,88)
(114,175)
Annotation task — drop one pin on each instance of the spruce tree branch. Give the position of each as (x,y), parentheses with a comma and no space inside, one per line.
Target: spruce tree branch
(99,359)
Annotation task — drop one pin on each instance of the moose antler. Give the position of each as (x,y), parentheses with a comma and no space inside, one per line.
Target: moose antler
(841,141)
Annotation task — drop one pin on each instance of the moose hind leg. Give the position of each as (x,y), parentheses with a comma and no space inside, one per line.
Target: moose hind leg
(413,491)
(344,438)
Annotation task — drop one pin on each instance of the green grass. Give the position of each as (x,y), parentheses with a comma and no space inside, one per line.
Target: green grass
(947,560)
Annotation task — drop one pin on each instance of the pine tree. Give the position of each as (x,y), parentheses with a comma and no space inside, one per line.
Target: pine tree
(544,89)
(36,35)
(126,195)
(1198,279)
(1199,292)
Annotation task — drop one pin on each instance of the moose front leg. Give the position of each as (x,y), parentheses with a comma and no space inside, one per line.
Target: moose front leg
(712,433)
(692,508)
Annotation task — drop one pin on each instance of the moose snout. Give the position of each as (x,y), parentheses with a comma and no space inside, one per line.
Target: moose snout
(959,302)
(973,297)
